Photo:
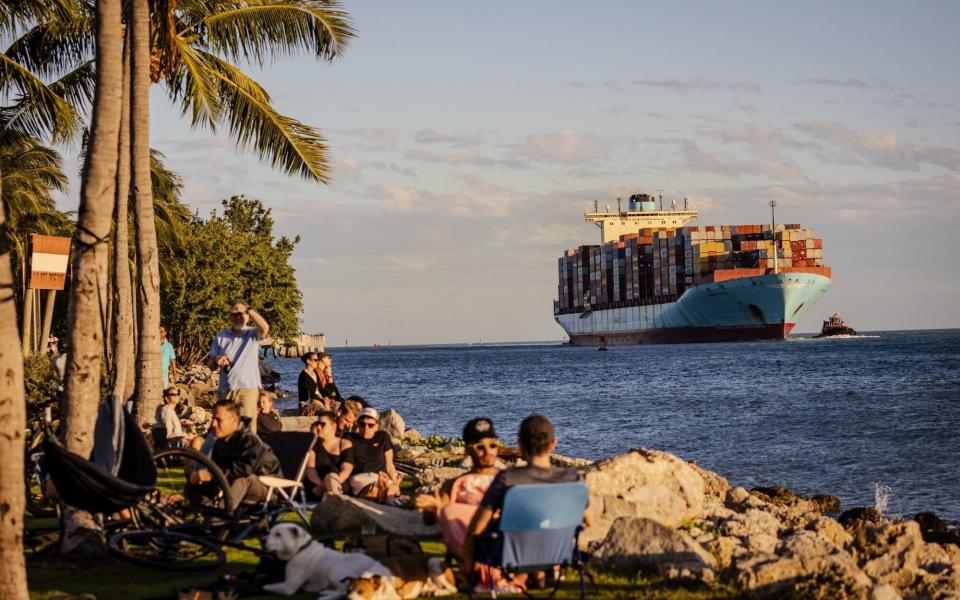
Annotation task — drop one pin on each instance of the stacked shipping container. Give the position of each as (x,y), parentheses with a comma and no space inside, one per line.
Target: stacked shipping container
(658,265)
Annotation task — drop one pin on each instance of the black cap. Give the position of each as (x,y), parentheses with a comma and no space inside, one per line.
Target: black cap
(478,429)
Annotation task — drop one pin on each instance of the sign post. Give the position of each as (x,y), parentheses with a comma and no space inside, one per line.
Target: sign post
(49,258)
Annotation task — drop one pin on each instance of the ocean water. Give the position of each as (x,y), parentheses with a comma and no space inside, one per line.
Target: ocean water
(829,416)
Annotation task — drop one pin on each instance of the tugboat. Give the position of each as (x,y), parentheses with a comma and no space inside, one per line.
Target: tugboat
(834,326)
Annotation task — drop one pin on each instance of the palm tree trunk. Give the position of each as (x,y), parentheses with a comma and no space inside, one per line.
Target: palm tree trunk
(84,316)
(123,304)
(13,572)
(148,263)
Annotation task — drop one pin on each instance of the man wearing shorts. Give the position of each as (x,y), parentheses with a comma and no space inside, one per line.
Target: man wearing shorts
(236,351)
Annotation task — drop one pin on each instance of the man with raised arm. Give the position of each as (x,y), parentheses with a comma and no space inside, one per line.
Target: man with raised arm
(236,351)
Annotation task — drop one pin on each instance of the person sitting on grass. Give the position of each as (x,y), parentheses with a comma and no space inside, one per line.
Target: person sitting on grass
(169,422)
(323,462)
(366,462)
(537,442)
(240,454)
(456,501)
(268,420)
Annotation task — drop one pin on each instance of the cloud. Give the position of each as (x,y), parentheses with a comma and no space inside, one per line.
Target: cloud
(461,159)
(696,158)
(747,108)
(848,82)
(656,115)
(763,142)
(682,86)
(384,137)
(881,147)
(570,147)
(430,136)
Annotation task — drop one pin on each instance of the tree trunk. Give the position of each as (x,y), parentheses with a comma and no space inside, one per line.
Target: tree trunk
(84,316)
(148,263)
(13,572)
(123,305)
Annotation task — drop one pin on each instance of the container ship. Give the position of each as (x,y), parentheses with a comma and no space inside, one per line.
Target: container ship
(654,279)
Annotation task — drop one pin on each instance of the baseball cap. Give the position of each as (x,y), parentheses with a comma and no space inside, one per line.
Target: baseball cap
(369,412)
(478,429)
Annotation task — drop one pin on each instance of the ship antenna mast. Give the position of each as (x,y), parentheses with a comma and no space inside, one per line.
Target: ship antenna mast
(773,228)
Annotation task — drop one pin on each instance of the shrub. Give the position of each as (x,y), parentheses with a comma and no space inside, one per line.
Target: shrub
(40,379)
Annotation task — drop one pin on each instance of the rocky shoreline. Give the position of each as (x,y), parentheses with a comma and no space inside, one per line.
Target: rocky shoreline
(654,512)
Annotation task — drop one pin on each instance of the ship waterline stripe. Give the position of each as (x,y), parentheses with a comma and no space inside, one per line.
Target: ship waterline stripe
(42,262)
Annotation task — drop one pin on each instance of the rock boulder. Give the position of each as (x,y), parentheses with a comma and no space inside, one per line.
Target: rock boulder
(642,483)
(337,514)
(392,423)
(635,543)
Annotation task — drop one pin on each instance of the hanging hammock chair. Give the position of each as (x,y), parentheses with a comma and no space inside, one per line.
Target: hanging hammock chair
(120,472)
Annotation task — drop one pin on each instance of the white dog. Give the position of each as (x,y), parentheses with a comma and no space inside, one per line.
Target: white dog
(315,568)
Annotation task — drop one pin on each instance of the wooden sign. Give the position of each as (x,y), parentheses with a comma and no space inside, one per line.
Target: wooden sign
(48,262)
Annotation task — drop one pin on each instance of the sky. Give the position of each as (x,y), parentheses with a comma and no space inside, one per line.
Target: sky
(467,139)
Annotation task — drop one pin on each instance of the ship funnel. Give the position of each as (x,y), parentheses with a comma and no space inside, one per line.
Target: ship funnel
(642,202)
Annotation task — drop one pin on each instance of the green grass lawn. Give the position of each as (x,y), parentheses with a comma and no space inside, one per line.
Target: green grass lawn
(113,578)
(116,579)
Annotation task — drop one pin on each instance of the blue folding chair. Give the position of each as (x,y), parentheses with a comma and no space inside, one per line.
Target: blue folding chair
(539,528)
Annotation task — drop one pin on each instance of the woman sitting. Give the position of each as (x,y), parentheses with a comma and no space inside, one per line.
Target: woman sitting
(308,388)
(323,462)
(455,502)
(268,420)
(366,462)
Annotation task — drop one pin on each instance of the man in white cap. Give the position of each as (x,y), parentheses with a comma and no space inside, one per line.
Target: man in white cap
(236,352)
(366,461)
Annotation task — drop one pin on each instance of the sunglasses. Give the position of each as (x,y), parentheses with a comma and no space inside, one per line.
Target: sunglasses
(170,395)
(488,446)
(366,424)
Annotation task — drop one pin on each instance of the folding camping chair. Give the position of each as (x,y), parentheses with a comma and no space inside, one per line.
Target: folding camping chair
(292,449)
(539,528)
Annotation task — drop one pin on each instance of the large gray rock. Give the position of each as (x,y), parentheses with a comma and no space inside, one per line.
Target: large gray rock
(756,529)
(642,483)
(337,514)
(634,543)
(392,423)
(807,564)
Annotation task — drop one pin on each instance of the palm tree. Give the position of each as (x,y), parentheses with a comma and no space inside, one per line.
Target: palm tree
(196,45)
(148,265)
(85,323)
(40,109)
(124,347)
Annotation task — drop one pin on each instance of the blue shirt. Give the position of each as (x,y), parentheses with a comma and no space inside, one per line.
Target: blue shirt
(243,351)
(167,354)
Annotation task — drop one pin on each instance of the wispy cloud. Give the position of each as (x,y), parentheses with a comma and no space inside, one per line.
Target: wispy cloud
(881,147)
(847,82)
(457,140)
(385,137)
(570,147)
(464,159)
(750,109)
(696,158)
(682,86)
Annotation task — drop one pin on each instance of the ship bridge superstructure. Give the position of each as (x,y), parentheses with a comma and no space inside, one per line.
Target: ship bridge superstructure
(641,212)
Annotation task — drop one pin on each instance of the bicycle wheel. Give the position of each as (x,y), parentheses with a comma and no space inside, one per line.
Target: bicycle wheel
(167,550)
(177,505)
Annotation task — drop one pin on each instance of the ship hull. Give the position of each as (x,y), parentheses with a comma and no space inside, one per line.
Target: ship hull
(762,307)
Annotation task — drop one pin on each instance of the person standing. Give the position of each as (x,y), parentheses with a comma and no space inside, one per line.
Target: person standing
(168,356)
(235,351)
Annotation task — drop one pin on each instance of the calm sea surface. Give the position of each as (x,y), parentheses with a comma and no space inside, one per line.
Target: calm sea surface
(832,416)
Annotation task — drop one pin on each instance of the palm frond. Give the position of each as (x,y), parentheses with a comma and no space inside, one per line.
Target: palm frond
(38,110)
(192,83)
(53,47)
(284,142)
(257,30)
